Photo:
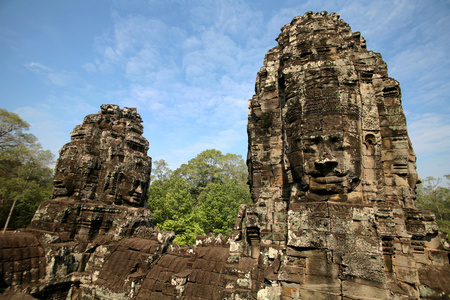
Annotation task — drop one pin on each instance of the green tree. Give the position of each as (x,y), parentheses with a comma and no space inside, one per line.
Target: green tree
(173,208)
(199,197)
(201,170)
(25,176)
(211,166)
(186,229)
(160,170)
(14,143)
(220,205)
(170,199)
(432,196)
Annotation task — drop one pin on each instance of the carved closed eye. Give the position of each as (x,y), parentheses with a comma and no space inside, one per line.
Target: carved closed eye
(310,143)
(308,150)
(343,147)
(316,139)
(335,138)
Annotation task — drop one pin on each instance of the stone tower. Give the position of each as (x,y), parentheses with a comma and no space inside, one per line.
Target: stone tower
(101,179)
(332,174)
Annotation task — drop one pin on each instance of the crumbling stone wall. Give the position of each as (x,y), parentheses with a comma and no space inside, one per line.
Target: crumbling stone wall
(22,259)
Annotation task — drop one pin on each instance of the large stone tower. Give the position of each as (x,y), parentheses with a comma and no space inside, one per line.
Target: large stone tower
(333,174)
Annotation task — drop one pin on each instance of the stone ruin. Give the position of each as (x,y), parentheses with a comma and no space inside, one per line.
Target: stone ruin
(332,175)
(101,180)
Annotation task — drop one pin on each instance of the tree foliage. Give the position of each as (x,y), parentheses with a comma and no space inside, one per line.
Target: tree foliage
(432,196)
(25,176)
(160,170)
(15,144)
(199,197)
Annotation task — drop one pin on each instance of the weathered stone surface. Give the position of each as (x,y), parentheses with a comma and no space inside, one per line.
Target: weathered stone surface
(332,176)
(22,260)
(10,295)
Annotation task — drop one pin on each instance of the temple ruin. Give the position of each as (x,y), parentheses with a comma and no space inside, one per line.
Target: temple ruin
(332,174)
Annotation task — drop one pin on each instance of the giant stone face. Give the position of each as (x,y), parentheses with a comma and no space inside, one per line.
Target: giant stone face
(323,148)
(106,160)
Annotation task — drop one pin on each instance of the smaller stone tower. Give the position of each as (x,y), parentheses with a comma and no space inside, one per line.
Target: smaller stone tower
(101,179)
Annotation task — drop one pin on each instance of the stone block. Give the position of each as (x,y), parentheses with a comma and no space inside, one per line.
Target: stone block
(361,290)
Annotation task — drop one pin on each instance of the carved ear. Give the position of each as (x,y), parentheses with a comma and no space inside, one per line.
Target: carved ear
(370,140)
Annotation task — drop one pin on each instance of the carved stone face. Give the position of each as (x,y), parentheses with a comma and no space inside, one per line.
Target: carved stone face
(125,172)
(106,162)
(332,162)
(75,174)
(131,185)
(325,160)
(60,187)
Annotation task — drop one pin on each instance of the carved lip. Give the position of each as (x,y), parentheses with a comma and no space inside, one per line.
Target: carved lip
(135,196)
(329,179)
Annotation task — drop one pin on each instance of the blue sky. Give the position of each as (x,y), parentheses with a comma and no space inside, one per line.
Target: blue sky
(189,67)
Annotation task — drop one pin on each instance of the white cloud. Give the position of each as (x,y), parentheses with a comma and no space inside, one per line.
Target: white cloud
(144,60)
(59,79)
(144,96)
(51,76)
(89,67)
(137,44)
(208,82)
(230,17)
(430,133)
(37,67)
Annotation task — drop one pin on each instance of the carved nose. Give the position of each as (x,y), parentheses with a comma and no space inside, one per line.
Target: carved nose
(326,165)
(138,190)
